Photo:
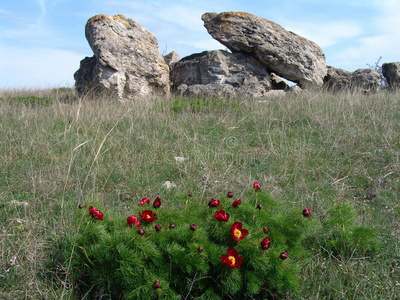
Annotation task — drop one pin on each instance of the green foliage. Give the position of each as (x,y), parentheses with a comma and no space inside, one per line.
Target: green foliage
(344,237)
(113,257)
(63,90)
(32,100)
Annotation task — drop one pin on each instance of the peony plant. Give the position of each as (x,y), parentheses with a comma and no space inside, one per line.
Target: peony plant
(197,250)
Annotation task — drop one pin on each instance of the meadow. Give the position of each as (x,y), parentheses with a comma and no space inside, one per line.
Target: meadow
(310,149)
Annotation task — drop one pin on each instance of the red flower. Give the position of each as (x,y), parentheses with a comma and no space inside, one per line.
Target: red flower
(306,212)
(214,203)
(236,203)
(265,243)
(133,220)
(95,213)
(99,216)
(284,255)
(237,232)
(256,186)
(148,216)
(157,203)
(92,210)
(230,194)
(232,258)
(221,216)
(144,201)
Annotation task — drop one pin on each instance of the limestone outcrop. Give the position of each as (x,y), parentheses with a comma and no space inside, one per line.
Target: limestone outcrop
(366,80)
(391,71)
(126,61)
(283,52)
(211,73)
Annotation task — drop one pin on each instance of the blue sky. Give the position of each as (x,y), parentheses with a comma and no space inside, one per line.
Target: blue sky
(43,41)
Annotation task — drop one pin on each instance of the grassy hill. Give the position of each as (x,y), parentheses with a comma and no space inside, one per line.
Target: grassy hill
(312,149)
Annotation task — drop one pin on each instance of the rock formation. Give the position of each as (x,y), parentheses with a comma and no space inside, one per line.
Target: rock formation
(277,83)
(366,80)
(283,52)
(126,59)
(171,58)
(211,73)
(391,71)
(211,90)
(127,62)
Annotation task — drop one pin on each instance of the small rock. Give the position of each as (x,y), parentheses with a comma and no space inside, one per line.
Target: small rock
(295,89)
(18,203)
(275,93)
(179,159)
(169,185)
(171,58)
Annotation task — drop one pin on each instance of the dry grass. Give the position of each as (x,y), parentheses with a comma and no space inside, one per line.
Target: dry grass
(313,149)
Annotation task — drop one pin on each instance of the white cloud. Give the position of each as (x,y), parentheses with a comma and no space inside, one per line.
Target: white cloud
(206,44)
(26,27)
(327,34)
(382,41)
(37,68)
(42,5)
(182,16)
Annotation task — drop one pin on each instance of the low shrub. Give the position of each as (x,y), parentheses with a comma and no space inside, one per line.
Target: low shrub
(249,248)
(344,237)
(63,90)
(241,249)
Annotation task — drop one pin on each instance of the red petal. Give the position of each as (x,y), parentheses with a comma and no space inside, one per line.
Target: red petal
(91,210)
(239,261)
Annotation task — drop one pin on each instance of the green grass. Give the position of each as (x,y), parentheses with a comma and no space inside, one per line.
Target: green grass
(314,150)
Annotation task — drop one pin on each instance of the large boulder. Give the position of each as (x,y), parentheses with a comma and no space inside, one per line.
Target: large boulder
(126,59)
(391,71)
(368,80)
(86,75)
(210,90)
(365,80)
(337,80)
(211,73)
(283,52)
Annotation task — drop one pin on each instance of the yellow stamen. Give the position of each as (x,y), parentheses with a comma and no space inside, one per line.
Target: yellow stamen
(148,217)
(237,233)
(232,259)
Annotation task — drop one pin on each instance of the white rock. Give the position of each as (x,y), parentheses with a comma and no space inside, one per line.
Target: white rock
(169,185)
(179,159)
(15,202)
